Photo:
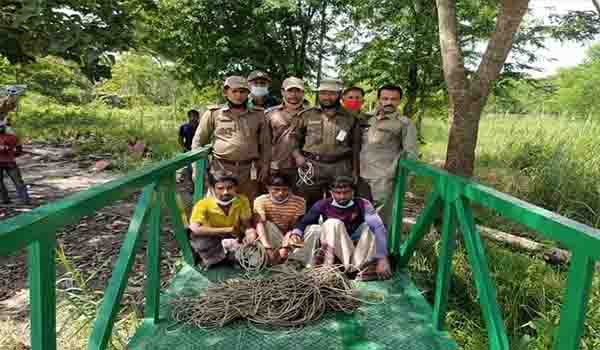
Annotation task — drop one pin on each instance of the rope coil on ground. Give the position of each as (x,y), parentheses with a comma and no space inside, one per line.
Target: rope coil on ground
(286,299)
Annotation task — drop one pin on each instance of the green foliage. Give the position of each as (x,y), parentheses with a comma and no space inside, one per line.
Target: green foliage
(56,78)
(83,31)
(145,80)
(212,39)
(577,89)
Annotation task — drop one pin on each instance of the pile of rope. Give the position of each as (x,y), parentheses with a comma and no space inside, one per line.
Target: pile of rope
(287,299)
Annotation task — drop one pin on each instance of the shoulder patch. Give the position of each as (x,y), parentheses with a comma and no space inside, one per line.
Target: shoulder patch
(270,109)
(309,109)
(213,107)
(405,120)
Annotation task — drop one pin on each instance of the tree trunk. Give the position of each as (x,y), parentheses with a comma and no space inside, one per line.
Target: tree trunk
(412,90)
(321,48)
(467,96)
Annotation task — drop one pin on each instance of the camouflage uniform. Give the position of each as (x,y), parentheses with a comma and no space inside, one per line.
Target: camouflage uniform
(330,143)
(384,142)
(238,141)
(283,127)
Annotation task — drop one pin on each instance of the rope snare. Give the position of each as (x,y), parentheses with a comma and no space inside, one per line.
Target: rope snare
(252,257)
(305,176)
(288,298)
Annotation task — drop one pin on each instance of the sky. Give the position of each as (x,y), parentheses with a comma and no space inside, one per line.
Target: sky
(567,54)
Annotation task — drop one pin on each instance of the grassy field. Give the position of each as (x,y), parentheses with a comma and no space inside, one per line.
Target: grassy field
(551,162)
(548,161)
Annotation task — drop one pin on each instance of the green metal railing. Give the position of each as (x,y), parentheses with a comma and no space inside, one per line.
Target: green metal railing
(37,230)
(453,196)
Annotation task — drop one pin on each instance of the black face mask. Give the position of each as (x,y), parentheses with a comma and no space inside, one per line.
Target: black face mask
(335,105)
(237,105)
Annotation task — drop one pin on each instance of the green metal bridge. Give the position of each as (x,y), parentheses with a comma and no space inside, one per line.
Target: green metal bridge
(404,321)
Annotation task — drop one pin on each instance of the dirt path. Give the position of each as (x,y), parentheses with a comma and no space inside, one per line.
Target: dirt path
(91,246)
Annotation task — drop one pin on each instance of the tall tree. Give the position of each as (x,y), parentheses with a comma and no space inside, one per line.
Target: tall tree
(468,94)
(213,38)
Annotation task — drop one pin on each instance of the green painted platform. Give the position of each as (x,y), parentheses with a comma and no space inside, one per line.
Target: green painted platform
(402,321)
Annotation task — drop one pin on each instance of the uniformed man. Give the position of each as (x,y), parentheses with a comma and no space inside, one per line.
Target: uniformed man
(260,82)
(327,143)
(386,137)
(283,121)
(353,99)
(239,136)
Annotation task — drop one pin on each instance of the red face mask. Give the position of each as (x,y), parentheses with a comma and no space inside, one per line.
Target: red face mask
(353,105)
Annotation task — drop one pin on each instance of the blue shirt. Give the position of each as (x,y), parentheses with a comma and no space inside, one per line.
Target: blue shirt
(187,132)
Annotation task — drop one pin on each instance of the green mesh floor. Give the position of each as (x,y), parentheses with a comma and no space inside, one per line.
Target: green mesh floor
(401,322)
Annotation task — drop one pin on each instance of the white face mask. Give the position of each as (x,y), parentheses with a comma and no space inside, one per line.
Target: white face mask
(338,205)
(279,201)
(259,91)
(225,203)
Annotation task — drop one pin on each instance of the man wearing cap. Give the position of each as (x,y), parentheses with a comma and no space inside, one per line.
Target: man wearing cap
(239,136)
(327,143)
(386,138)
(283,122)
(353,99)
(260,82)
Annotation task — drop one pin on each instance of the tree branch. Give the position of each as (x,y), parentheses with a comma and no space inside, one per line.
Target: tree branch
(452,57)
(500,44)
(597,5)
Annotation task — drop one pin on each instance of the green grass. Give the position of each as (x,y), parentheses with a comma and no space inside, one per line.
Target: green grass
(99,129)
(548,161)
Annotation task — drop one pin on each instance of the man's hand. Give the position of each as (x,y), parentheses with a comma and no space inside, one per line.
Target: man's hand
(293,241)
(300,160)
(250,236)
(383,269)
(263,176)
(283,253)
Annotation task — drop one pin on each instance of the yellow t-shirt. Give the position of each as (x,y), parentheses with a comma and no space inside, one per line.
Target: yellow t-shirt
(207,212)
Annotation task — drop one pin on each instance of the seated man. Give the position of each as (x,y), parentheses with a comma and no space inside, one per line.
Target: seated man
(219,223)
(352,232)
(276,214)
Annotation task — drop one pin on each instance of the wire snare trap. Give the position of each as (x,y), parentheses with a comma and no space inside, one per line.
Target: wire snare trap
(284,299)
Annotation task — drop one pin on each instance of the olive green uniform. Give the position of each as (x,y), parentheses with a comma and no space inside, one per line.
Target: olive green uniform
(283,127)
(240,143)
(331,144)
(384,142)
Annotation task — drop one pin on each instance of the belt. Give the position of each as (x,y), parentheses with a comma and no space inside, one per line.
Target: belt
(236,162)
(327,159)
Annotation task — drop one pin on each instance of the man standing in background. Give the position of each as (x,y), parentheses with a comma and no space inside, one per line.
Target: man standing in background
(283,122)
(186,135)
(386,138)
(239,136)
(260,83)
(353,99)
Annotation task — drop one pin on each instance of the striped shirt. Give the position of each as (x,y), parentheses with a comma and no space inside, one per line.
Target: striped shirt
(284,215)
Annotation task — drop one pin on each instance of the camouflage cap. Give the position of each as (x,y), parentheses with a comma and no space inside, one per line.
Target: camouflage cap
(331,85)
(293,82)
(258,75)
(236,82)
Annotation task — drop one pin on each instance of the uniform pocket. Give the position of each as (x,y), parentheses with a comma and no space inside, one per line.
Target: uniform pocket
(225,127)
(314,133)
